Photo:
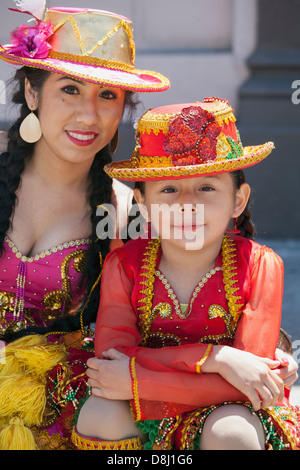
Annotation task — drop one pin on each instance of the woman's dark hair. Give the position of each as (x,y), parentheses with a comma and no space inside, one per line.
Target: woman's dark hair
(243,223)
(12,164)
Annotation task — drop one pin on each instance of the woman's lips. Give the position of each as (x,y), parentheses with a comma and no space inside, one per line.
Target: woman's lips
(82,138)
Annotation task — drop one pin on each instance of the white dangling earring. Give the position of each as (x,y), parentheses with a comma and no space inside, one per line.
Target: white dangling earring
(30,129)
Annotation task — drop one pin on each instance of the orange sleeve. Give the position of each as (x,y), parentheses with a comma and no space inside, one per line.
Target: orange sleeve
(165,379)
(259,325)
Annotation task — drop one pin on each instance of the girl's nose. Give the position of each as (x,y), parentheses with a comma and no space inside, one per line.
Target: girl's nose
(187,203)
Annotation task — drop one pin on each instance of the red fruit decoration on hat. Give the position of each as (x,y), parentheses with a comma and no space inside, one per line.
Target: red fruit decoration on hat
(192,137)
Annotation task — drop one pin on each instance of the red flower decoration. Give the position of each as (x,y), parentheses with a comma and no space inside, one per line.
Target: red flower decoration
(192,137)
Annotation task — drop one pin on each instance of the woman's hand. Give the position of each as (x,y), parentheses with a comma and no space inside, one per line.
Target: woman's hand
(254,376)
(288,369)
(110,377)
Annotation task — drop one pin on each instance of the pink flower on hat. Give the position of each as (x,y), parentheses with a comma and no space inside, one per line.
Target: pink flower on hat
(192,137)
(31,41)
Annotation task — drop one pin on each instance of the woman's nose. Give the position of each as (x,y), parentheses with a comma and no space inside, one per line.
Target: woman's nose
(87,112)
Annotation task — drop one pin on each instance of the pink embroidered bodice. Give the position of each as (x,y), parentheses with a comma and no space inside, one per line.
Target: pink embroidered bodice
(36,290)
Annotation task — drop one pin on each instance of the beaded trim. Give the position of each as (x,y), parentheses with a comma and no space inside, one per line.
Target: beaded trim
(85,443)
(147,76)
(43,254)
(126,171)
(148,271)
(155,123)
(203,359)
(196,291)
(134,382)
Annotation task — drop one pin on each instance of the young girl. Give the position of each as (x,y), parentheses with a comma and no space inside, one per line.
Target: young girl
(188,323)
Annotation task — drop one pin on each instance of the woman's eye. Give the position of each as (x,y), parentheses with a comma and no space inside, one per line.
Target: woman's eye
(108,95)
(70,90)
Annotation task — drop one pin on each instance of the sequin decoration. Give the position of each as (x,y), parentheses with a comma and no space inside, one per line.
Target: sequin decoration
(192,137)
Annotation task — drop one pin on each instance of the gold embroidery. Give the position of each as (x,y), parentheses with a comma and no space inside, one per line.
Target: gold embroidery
(251,154)
(195,293)
(62,298)
(229,272)
(163,309)
(158,339)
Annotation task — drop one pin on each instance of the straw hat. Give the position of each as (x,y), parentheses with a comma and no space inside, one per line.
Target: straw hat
(90,45)
(186,140)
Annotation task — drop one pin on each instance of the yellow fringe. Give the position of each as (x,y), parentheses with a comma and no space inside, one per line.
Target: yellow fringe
(22,396)
(23,376)
(32,355)
(85,443)
(16,436)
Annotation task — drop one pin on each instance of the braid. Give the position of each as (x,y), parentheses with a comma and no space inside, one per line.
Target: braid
(243,223)
(12,162)
(100,192)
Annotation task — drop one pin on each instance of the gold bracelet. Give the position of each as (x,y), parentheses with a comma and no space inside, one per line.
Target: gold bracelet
(203,359)
(135,390)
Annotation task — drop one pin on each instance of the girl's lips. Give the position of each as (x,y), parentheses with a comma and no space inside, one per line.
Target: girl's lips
(81,138)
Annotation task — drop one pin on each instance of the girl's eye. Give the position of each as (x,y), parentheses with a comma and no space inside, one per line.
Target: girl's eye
(70,90)
(206,188)
(168,190)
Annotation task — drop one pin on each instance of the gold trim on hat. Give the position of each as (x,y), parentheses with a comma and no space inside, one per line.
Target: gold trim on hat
(86,25)
(252,155)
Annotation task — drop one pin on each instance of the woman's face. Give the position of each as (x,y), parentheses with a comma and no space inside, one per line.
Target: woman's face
(77,118)
(201,208)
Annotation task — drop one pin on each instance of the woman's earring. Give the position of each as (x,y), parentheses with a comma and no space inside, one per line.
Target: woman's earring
(30,129)
(114,142)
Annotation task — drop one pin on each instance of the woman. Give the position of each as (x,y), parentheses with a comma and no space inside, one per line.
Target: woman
(77,77)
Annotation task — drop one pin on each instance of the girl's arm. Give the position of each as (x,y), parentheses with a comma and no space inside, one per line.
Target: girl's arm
(165,374)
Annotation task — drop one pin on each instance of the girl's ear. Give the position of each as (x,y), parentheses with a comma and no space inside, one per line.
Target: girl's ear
(140,199)
(241,199)
(31,96)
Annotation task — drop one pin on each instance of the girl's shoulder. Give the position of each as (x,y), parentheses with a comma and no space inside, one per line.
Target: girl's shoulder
(131,253)
(252,251)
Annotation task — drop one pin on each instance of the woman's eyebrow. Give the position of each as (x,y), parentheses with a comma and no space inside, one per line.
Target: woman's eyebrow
(66,77)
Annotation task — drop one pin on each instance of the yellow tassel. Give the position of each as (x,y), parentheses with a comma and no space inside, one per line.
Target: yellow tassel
(16,436)
(32,355)
(24,396)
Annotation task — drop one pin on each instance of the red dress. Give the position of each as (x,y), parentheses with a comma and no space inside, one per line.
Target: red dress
(237,303)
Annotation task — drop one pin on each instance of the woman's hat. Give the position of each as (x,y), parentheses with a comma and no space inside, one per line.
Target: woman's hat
(90,45)
(186,140)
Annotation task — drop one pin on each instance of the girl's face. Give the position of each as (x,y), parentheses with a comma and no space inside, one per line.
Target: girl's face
(77,118)
(193,210)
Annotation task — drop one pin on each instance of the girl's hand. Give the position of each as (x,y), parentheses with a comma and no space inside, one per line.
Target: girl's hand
(288,369)
(254,376)
(110,377)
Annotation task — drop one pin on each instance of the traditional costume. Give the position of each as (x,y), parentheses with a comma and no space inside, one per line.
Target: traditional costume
(237,303)
(42,378)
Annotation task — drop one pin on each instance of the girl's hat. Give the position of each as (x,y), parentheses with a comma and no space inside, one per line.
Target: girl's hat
(89,45)
(186,140)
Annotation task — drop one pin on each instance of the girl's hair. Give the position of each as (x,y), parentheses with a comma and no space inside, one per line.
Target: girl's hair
(12,164)
(243,223)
